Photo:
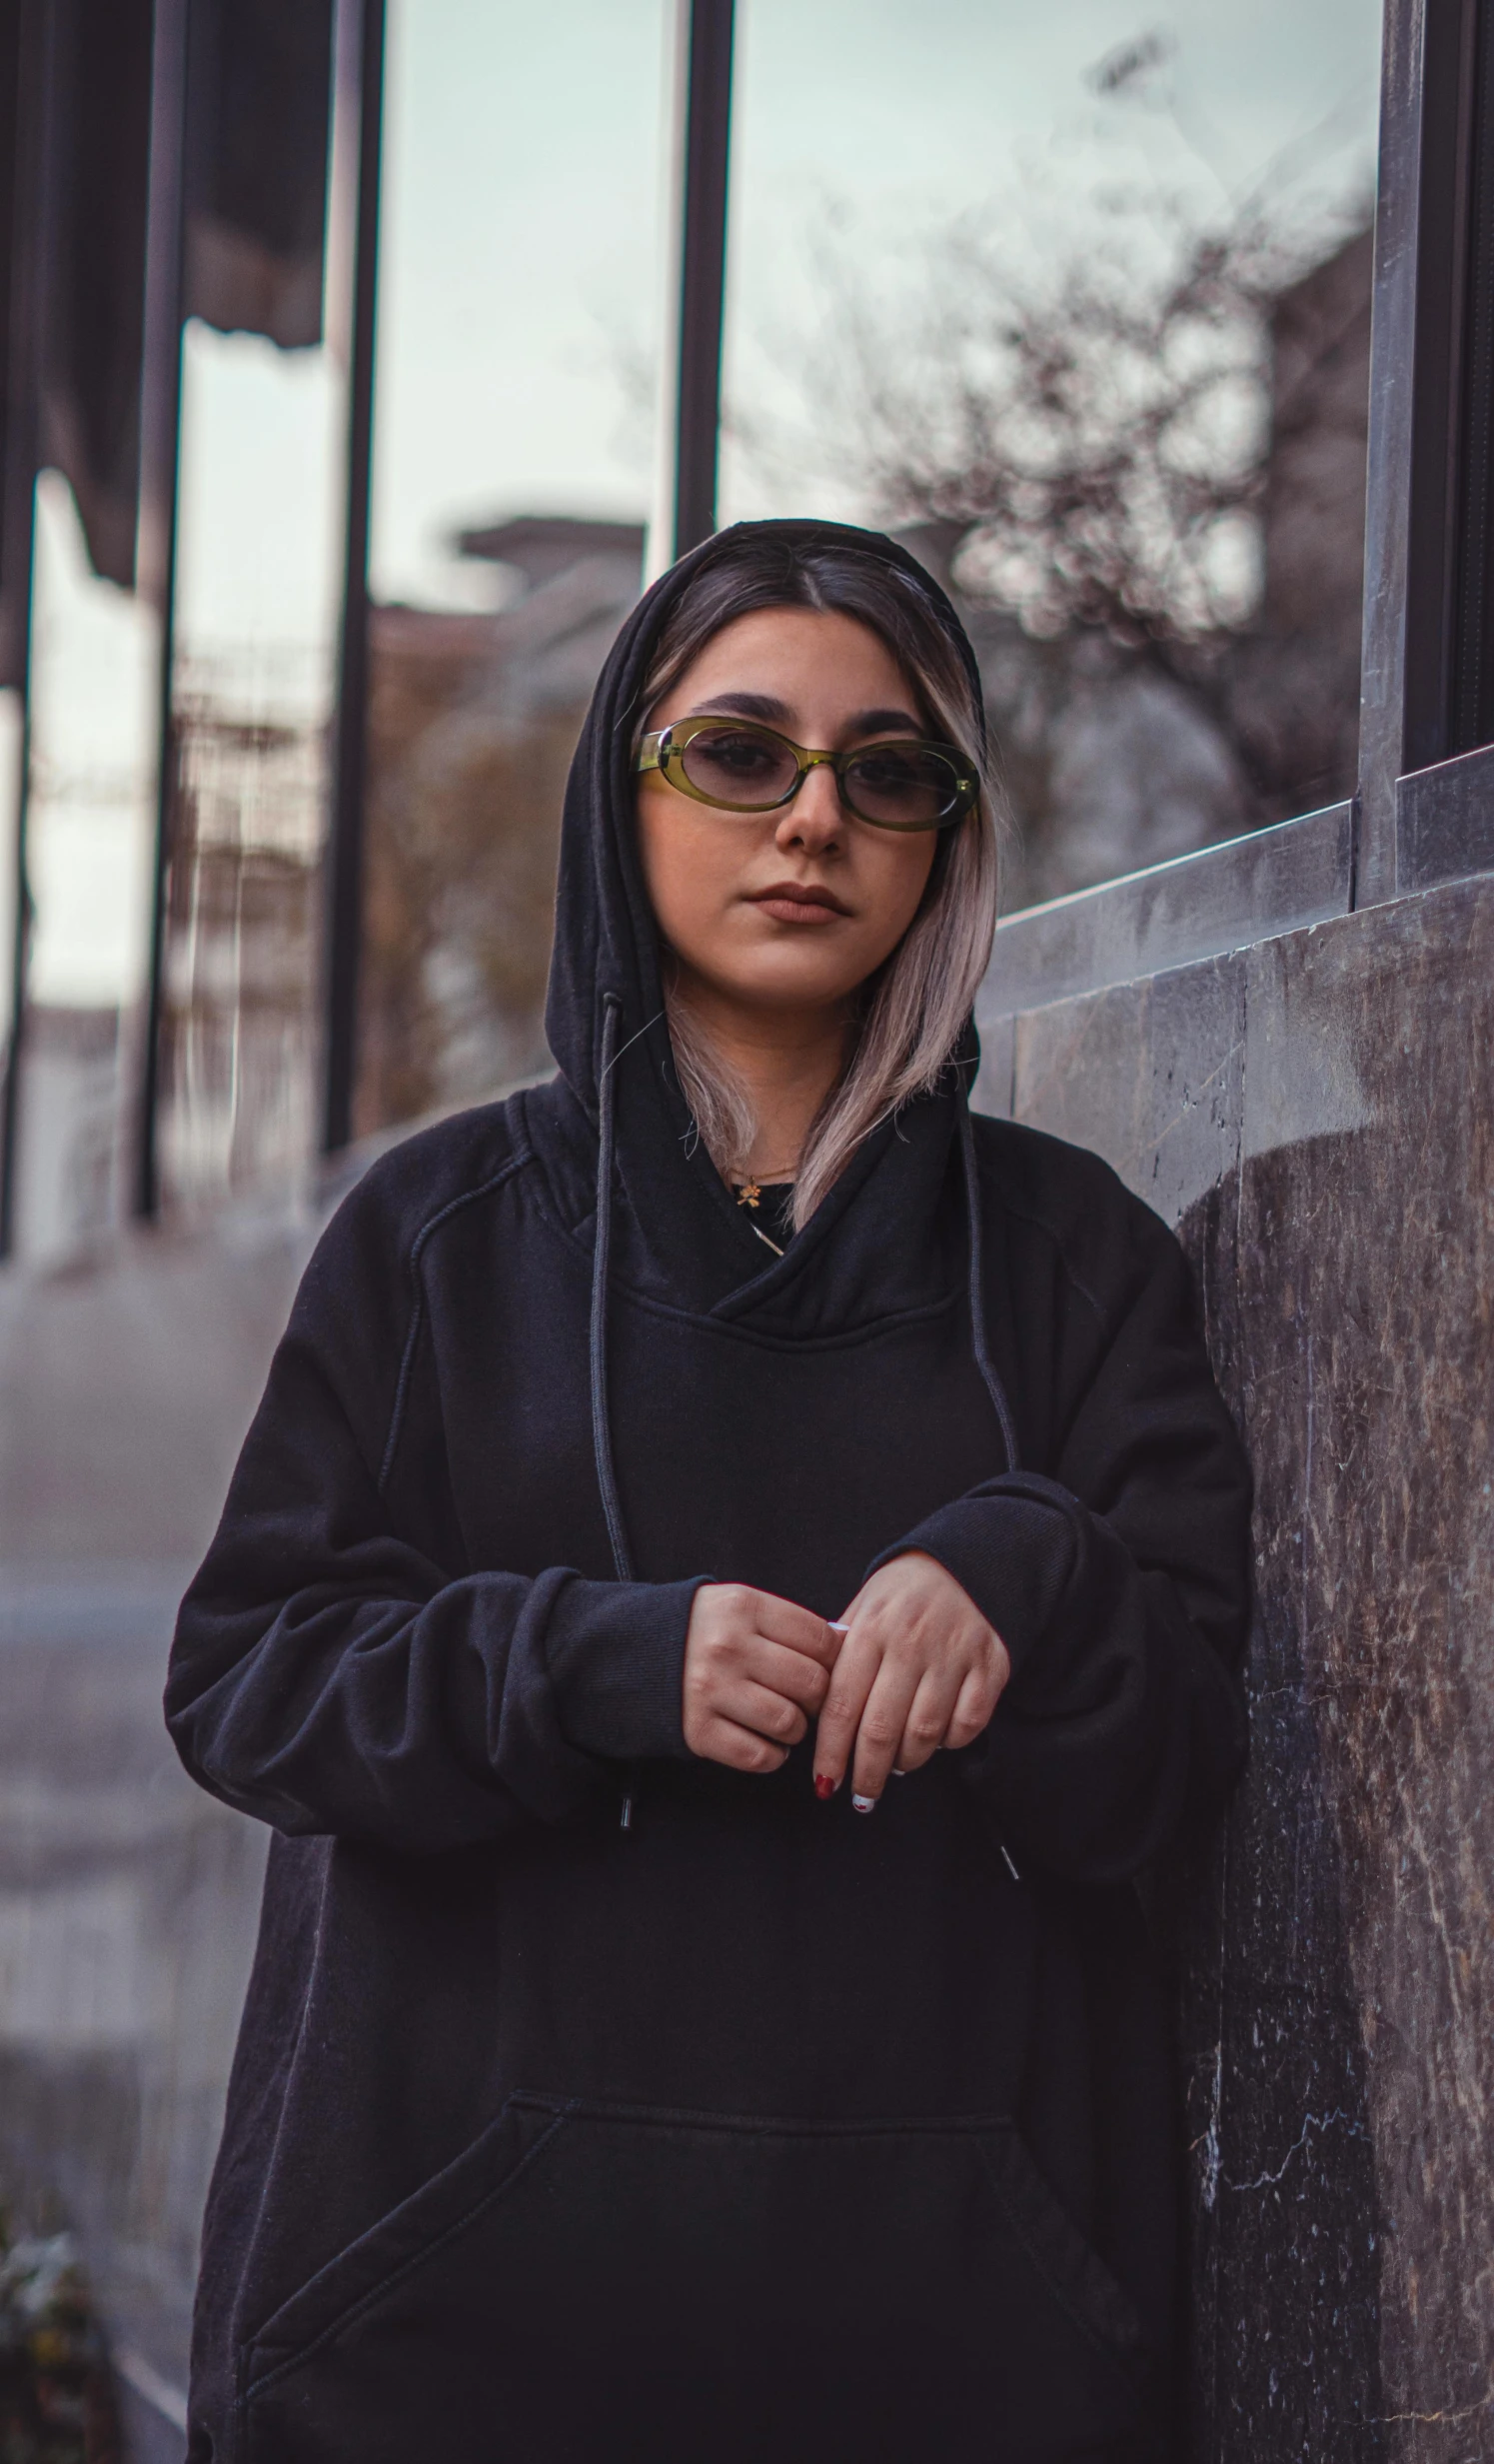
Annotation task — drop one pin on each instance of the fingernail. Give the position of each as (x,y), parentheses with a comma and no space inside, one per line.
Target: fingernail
(836,1629)
(863,1804)
(897,1775)
(825,1786)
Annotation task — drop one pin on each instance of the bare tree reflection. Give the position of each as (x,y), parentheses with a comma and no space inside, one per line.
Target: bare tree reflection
(471,726)
(1137,455)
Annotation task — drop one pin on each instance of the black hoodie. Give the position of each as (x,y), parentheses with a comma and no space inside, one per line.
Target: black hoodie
(754,2128)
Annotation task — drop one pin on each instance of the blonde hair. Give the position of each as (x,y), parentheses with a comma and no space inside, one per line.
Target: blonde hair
(916,1007)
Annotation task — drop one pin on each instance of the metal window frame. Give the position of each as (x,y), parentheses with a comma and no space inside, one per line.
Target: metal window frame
(707,31)
(1415,387)
(697,145)
(157,526)
(361,40)
(1471,699)
(33,240)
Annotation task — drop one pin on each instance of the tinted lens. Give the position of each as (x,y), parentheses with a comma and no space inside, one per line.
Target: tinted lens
(738,766)
(904,786)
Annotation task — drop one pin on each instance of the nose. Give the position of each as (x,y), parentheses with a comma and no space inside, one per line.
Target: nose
(816,820)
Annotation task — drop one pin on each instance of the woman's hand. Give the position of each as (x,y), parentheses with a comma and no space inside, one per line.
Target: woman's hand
(756,1668)
(919,1668)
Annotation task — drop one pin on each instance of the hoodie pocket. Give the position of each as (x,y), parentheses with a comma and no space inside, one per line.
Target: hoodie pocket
(589,2280)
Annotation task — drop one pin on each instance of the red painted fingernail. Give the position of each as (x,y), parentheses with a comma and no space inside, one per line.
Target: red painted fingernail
(825,1786)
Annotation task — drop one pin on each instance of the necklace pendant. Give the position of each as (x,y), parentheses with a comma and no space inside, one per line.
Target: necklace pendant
(749,1192)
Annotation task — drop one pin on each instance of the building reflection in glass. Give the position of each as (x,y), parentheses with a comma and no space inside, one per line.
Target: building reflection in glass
(517,317)
(1086,312)
(258,579)
(91,817)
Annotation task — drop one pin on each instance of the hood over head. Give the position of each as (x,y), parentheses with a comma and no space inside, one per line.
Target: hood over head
(681,1232)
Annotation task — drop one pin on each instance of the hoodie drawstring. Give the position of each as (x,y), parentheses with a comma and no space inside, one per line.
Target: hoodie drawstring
(601,1434)
(981,1349)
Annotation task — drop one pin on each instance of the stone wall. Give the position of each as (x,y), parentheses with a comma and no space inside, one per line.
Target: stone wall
(1314,1115)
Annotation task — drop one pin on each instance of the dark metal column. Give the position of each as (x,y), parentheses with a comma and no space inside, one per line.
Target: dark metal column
(1471,694)
(27,147)
(156,537)
(34,103)
(705,90)
(20,952)
(1416,386)
(350,728)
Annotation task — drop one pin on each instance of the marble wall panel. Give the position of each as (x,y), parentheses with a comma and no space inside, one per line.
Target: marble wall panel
(1366,1282)
(1314,1117)
(1152,1076)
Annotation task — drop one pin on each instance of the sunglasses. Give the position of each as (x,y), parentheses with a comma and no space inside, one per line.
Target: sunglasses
(741,767)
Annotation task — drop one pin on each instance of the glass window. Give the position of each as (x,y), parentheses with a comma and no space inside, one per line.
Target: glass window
(90,835)
(259,574)
(518,307)
(258,565)
(1083,312)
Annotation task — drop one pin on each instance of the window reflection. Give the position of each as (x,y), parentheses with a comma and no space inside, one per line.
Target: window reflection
(514,451)
(259,567)
(89,828)
(1082,308)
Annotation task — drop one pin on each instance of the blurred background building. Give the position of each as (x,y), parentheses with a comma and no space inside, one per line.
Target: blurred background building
(361,360)
(1149,501)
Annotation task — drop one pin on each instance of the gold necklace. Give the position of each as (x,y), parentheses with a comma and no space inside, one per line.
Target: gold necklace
(750,1191)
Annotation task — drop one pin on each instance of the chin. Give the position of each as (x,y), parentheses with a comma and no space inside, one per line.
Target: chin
(794,989)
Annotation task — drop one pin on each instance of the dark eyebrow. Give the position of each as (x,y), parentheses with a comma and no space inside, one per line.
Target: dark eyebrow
(772,713)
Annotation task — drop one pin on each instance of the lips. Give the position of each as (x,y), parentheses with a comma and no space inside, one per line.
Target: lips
(800,903)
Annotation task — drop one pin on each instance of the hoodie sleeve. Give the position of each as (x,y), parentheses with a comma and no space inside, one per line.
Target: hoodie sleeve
(337,1668)
(1120,1587)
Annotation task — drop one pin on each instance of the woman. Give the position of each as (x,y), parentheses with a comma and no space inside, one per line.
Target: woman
(649,1458)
